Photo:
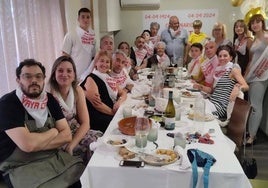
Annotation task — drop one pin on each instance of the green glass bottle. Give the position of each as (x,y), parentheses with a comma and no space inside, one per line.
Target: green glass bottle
(170,113)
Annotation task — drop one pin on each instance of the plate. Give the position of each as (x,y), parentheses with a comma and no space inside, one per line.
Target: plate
(116,140)
(127,125)
(208,117)
(160,157)
(188,94)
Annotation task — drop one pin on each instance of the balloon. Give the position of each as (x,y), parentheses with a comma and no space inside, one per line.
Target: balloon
(247,5)
(252,12)
(236,3)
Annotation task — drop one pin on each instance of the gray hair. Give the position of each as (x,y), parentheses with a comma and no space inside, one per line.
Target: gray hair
(155,24)
(160,43)
(118,51)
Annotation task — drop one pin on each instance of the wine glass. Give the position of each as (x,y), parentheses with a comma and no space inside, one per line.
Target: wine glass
(142,128)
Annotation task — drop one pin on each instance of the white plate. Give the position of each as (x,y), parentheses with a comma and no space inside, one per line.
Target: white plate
(208,117)
(116,141)
(159,159)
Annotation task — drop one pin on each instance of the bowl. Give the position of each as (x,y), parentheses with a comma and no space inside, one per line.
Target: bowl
(127,125)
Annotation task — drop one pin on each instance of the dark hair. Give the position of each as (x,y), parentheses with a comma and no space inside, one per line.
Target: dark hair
(197,45)
(29,63)
(245,28)
(258,18)
(83,10)
(146,31)
(52,80)
(229,49)
(124,42)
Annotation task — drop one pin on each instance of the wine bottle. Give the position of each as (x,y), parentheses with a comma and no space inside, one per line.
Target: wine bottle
(170,113)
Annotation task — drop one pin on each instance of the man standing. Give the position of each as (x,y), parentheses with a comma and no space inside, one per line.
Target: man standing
(32,129)
(119,72)
(176,39)
(80,44)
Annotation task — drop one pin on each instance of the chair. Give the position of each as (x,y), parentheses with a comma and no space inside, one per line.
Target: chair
(238,121)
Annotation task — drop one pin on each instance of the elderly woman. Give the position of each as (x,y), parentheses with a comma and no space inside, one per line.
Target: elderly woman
(219,34)
(154,28)
(103,95)
(63,85)
(160,59)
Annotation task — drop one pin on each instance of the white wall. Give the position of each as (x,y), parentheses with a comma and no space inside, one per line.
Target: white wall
(131,20)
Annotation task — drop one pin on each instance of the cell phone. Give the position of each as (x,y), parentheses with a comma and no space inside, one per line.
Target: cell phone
(137,164)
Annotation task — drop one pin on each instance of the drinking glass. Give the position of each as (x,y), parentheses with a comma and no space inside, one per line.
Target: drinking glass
(142,128)
(153,133)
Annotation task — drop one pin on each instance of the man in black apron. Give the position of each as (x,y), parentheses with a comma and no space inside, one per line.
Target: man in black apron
(32,129)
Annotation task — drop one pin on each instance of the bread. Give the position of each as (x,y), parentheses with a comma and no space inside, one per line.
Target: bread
(126,154)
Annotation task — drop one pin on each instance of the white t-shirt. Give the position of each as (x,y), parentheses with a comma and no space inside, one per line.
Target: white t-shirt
(80,45)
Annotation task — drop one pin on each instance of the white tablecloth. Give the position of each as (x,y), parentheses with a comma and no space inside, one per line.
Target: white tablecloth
(103,169)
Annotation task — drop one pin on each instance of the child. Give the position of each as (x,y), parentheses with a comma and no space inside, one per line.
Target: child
(194,67)
(149,46)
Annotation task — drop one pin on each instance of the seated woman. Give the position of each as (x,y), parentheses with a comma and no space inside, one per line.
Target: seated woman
(194,67)
(160,59)
(63,85)
(124,46)
(228,83)
(103,96)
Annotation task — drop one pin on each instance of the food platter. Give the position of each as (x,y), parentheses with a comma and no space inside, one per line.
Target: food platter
(188,94)
(208,117)
(160,157)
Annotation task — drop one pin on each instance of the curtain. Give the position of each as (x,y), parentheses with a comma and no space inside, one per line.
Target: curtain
(28,29)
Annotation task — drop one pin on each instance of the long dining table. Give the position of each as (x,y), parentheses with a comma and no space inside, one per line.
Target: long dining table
(103,169)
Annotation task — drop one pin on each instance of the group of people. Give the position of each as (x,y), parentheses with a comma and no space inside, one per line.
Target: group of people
(53,130)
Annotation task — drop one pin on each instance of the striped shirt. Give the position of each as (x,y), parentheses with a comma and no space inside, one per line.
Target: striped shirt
(221,94)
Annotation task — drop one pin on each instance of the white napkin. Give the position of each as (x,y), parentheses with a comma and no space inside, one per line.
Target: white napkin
(184,160)
(140,90)
(94,145)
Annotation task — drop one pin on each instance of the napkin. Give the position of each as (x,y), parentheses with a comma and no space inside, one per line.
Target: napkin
(184,160)
(140,90)
(94,145)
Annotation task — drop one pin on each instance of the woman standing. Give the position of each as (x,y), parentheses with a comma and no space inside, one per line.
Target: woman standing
(63,85)
(103,96)
(242,43)
(256,74)
(219,34)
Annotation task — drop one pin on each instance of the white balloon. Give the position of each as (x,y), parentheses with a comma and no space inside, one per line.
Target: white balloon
(247,5)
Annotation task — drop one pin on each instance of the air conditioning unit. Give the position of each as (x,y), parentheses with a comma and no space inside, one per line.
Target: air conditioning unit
(140,4)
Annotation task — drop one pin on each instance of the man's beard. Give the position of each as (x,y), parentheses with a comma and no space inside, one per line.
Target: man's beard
(34,94)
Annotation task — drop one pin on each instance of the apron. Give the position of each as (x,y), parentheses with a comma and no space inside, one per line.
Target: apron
(43,169)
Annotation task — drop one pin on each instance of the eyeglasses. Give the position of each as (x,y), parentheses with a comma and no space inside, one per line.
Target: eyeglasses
(175,23)
(29,77)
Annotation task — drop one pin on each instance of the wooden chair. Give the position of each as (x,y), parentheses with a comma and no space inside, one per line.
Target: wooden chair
(238,121)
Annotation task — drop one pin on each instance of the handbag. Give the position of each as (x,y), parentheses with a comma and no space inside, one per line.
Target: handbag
(249,164)
(199,158)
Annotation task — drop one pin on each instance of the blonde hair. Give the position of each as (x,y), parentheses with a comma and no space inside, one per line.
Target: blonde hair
(222,27)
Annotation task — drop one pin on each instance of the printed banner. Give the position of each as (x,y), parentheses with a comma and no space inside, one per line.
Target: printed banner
(186,17)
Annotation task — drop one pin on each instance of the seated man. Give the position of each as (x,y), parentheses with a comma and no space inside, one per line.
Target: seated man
(119,72)
(138,54)
(32,129)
